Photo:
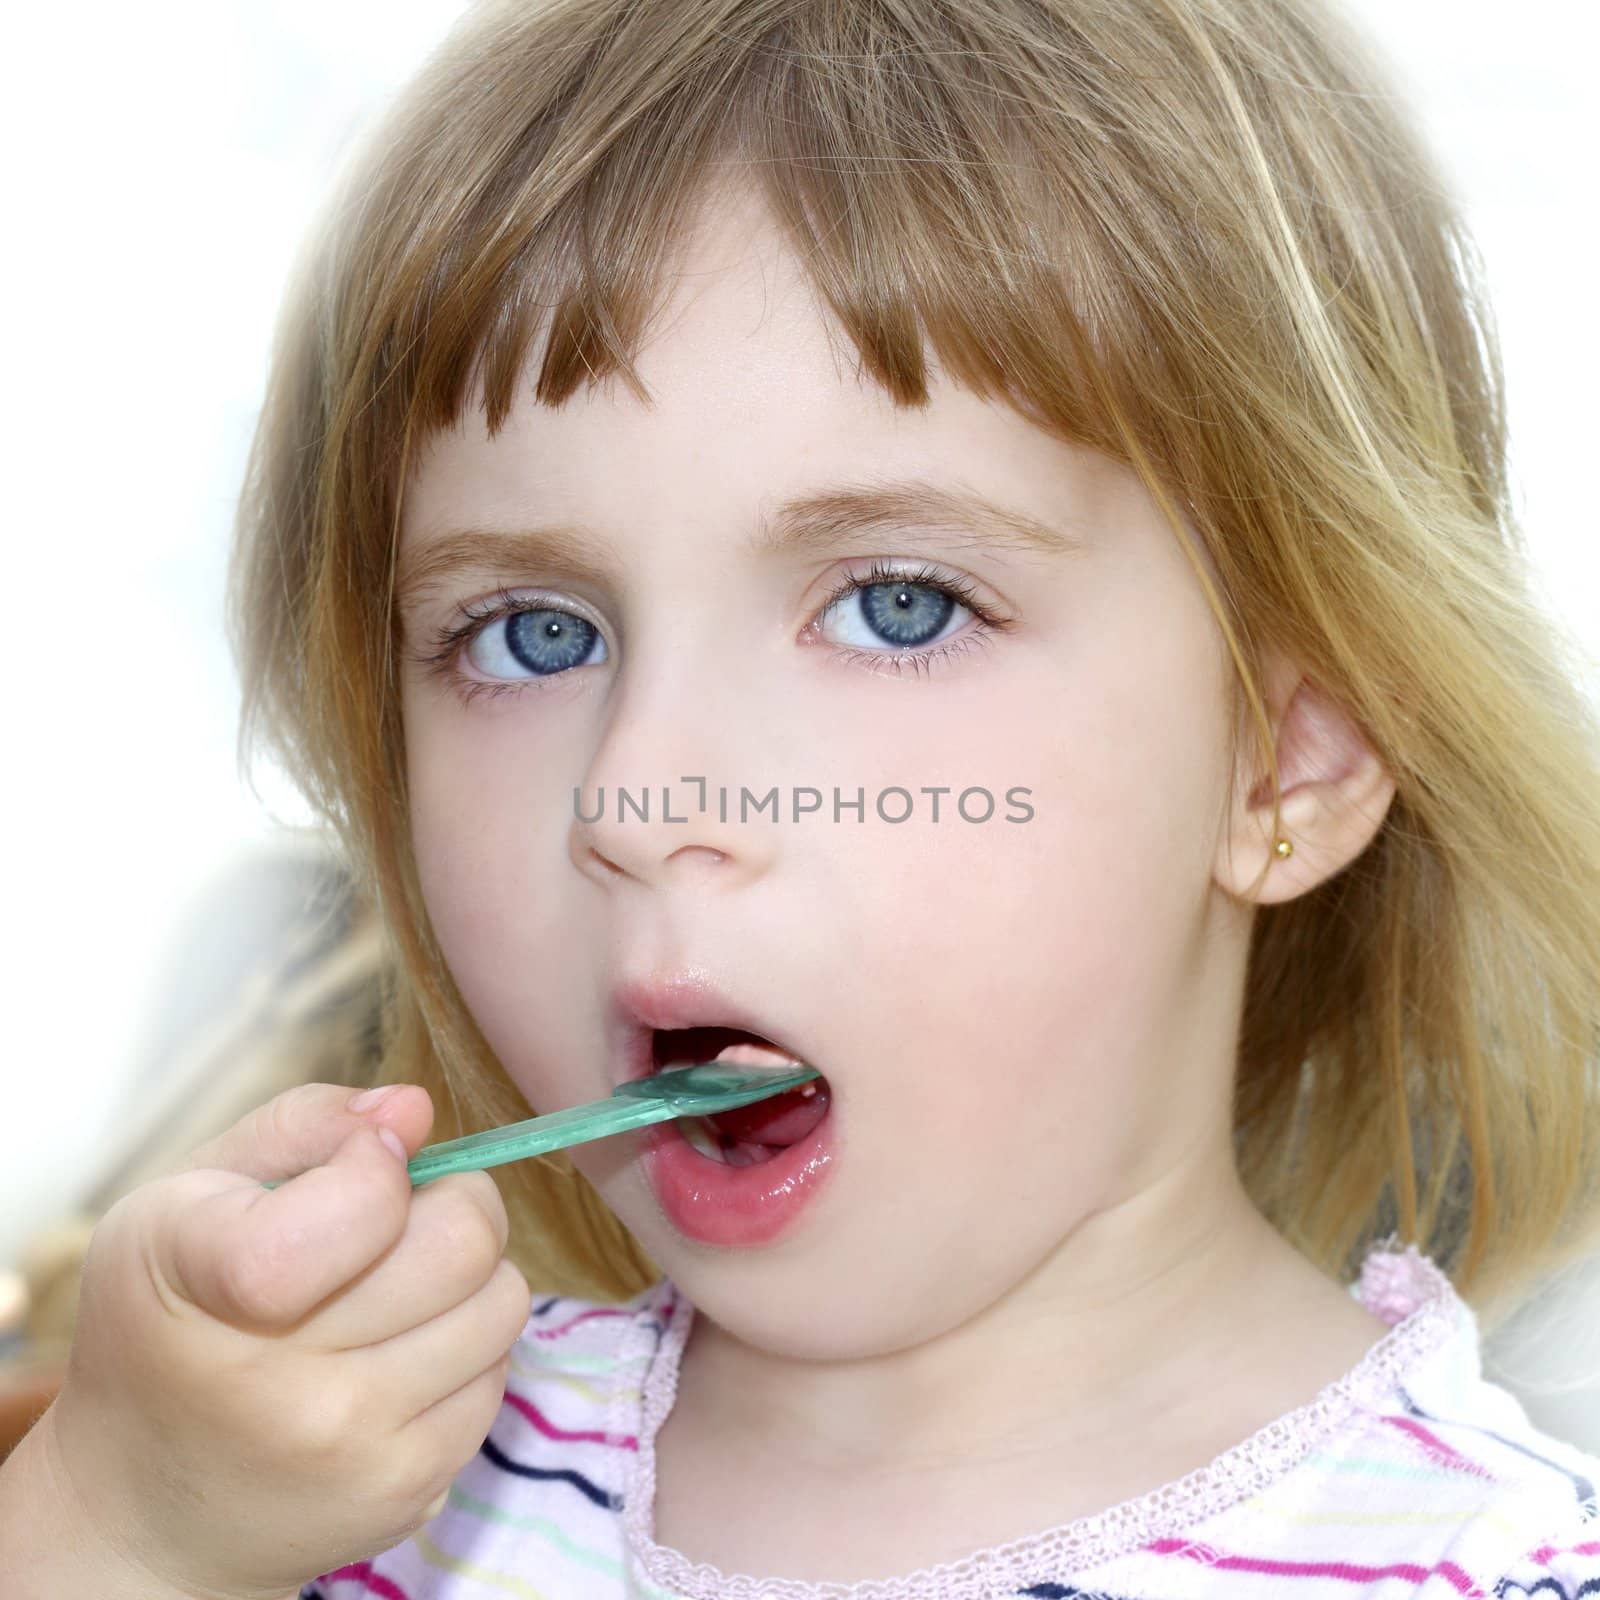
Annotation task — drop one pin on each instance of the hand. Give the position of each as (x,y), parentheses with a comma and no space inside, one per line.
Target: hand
(264,1385)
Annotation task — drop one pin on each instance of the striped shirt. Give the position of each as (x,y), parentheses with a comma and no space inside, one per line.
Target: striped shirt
(1409,1476)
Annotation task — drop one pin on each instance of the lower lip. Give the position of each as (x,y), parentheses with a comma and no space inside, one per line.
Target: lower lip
(732,1206)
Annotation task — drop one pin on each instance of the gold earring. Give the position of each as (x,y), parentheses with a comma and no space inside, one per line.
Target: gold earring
(1284,849)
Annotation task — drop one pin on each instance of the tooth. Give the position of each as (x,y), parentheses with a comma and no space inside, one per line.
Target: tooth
(699,1132)
(745,1054)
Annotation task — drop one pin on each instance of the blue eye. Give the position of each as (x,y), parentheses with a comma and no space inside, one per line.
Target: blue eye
(513,642)
(902,613)
(543,641)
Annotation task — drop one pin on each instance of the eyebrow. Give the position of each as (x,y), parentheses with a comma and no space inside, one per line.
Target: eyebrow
(817,522)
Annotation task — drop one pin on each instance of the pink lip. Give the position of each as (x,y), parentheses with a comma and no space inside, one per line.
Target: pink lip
(714,1204)
(733,1206)
(680,1000)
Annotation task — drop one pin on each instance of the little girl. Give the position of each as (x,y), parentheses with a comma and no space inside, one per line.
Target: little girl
(1037,632)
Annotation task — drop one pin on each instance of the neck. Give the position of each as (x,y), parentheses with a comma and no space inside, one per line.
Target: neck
(1137,1309)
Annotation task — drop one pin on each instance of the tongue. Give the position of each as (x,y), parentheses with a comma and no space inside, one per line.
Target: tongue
(781,1119)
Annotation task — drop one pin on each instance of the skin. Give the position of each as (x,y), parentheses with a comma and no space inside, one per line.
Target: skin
(1034,1242)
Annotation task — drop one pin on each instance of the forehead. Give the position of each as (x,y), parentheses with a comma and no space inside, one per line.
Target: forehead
(754,395)
(737,341)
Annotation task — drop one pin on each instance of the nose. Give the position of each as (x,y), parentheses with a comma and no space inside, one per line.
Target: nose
(661,800)
(660,833)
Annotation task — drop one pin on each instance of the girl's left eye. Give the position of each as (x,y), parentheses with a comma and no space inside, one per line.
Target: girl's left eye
(900,614)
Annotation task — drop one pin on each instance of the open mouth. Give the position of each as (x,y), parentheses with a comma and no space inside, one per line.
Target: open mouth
(747,1136)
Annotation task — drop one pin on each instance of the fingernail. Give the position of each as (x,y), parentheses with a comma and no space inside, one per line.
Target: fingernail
(370,1097)
(392,1139)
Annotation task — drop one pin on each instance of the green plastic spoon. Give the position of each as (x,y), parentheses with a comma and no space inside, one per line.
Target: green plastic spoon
(693,1091)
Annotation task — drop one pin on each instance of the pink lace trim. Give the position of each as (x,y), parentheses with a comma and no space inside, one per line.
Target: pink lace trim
(1401,1286)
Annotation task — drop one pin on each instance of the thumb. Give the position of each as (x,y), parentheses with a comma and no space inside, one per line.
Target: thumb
(253,1258)
(303,1127)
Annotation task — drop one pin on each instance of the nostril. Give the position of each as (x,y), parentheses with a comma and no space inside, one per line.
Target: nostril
(714,857)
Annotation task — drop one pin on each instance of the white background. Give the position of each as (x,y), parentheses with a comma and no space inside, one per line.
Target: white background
(164,160)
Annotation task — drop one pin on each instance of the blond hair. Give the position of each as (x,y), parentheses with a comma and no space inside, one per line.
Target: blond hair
(1196,235)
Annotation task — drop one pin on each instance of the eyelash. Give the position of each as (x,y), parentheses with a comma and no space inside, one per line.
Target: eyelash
(896,661)
(449,642)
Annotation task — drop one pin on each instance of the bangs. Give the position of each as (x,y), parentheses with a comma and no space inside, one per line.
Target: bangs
(925,216)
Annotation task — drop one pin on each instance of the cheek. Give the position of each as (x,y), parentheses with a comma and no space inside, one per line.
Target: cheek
(459,841)
(489,792)
(487,823)
(1037,959)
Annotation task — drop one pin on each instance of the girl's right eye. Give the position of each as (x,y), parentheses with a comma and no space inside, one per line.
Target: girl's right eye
(541,640)
(512,640)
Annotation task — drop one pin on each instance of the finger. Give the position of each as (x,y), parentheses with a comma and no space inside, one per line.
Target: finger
(302,1127)
(416,1370)
(455,1234)
(432,1449)
(258,1257)
(462,1418)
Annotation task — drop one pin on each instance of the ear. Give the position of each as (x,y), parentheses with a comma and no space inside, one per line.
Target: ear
(1335,793)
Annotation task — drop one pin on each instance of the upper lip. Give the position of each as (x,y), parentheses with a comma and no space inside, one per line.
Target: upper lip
(641,1006)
